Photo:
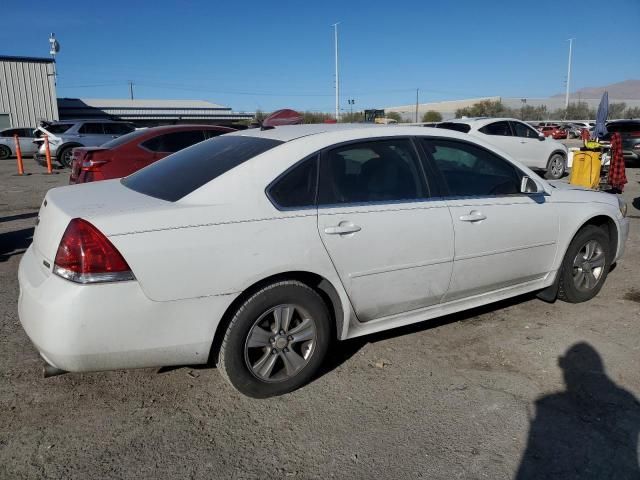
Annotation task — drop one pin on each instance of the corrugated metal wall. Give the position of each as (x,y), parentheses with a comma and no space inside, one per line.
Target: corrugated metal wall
(27,92)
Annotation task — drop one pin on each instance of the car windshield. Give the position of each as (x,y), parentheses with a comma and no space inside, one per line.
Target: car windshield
(58,127)
(185,171)
(458,127)
(116,142)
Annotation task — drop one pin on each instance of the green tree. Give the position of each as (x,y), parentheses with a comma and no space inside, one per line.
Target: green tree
(315,117)
(432,116)
(485,108)
(394,116)
(259,116)
(529,112)
(616,110)
(632,112)
(575,111)
(352,117)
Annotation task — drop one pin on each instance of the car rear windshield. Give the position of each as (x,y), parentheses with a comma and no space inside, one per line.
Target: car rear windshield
(58,128)
(187,170)
(458,127)
(116,142)
(630,126)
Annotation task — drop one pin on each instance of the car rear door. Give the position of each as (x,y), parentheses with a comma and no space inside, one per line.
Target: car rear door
(389,237)
(92,134)
(503,238)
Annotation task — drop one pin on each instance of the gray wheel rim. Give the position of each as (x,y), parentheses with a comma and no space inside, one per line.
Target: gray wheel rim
(557,166)
(280,343)
(4,153)
(588,266)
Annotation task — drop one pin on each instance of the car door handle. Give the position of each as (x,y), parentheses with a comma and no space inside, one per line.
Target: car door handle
(474,216)
(343,228)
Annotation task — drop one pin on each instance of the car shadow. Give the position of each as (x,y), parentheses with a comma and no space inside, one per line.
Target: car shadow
(20,216)
(342,351)
(14,243)
(588,431)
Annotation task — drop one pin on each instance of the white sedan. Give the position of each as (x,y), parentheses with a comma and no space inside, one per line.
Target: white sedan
(254,250)
(519,140)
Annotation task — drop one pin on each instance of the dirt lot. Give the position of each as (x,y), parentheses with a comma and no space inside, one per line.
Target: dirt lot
(453,398)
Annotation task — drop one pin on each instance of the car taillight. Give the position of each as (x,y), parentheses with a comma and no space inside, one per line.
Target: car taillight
(85,255)
(90,165)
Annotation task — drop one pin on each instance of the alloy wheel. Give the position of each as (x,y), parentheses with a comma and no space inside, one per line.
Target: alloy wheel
(280,343)
(588,266)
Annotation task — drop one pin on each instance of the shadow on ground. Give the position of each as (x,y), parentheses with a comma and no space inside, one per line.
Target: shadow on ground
(588,431)
(14,243)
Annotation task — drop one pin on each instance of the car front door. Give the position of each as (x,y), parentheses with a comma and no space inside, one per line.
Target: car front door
(530,149)
(503,237)
(390,240)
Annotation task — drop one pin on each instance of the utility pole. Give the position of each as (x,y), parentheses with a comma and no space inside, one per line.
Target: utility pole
(566,97)
(131,89)
(335,33)
(417,90)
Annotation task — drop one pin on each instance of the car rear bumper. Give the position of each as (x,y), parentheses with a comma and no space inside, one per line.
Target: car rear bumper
(111,325)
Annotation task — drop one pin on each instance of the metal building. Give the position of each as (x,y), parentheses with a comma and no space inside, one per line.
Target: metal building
(27,91)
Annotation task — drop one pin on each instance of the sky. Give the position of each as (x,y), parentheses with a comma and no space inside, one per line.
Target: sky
(280,54)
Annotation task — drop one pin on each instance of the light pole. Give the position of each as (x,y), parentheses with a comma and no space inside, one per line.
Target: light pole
(335,34)
(566,97)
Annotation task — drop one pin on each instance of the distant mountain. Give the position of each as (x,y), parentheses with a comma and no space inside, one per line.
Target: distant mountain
(627,90)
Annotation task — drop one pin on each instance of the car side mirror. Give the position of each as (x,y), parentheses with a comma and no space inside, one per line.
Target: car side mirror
(528,185)
(541,137)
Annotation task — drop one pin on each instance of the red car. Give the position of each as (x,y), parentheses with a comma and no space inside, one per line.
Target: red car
(556,133)
(129,153)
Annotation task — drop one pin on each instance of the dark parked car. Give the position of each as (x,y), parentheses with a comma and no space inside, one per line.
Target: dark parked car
(129,153)
(630,133)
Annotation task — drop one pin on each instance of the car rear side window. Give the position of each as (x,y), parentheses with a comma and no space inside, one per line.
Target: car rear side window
(497,128)
(374,171)
(297,187)
(187,170)
(92,129)
(469,170)
(457,126)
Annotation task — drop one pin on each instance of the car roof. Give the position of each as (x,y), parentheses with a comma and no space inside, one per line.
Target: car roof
(287,133)
(478,122)
(161,128)
(78,120)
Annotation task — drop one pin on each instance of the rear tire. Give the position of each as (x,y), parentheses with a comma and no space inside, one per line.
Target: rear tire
(585,265)
(556,167)
(5,152)
(64,156)
(276,340)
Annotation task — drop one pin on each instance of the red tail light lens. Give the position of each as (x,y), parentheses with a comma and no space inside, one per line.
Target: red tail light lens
(85,255)
(91,165)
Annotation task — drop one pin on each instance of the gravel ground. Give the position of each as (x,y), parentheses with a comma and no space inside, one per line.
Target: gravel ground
(452,398)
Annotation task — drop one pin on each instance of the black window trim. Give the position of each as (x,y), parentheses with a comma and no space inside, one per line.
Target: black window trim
(445,187)
(314,205)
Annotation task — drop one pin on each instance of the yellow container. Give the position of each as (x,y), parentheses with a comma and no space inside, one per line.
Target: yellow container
(585,170)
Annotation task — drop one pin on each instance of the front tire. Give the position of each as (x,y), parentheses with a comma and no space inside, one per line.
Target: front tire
(5,152)
(556,167)
(585,265)
(276,340)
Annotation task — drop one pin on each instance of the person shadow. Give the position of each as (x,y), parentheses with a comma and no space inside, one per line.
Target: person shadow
(589,431)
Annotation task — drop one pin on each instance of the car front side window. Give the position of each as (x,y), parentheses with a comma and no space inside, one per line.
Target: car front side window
(373,171)
(469,170)
(522,130)
(497,128)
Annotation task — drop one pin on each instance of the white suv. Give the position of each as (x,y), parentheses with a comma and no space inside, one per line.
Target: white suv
(519,140)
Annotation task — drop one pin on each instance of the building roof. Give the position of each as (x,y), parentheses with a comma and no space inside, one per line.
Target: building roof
(12,58)
(146,109)
(126,103)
